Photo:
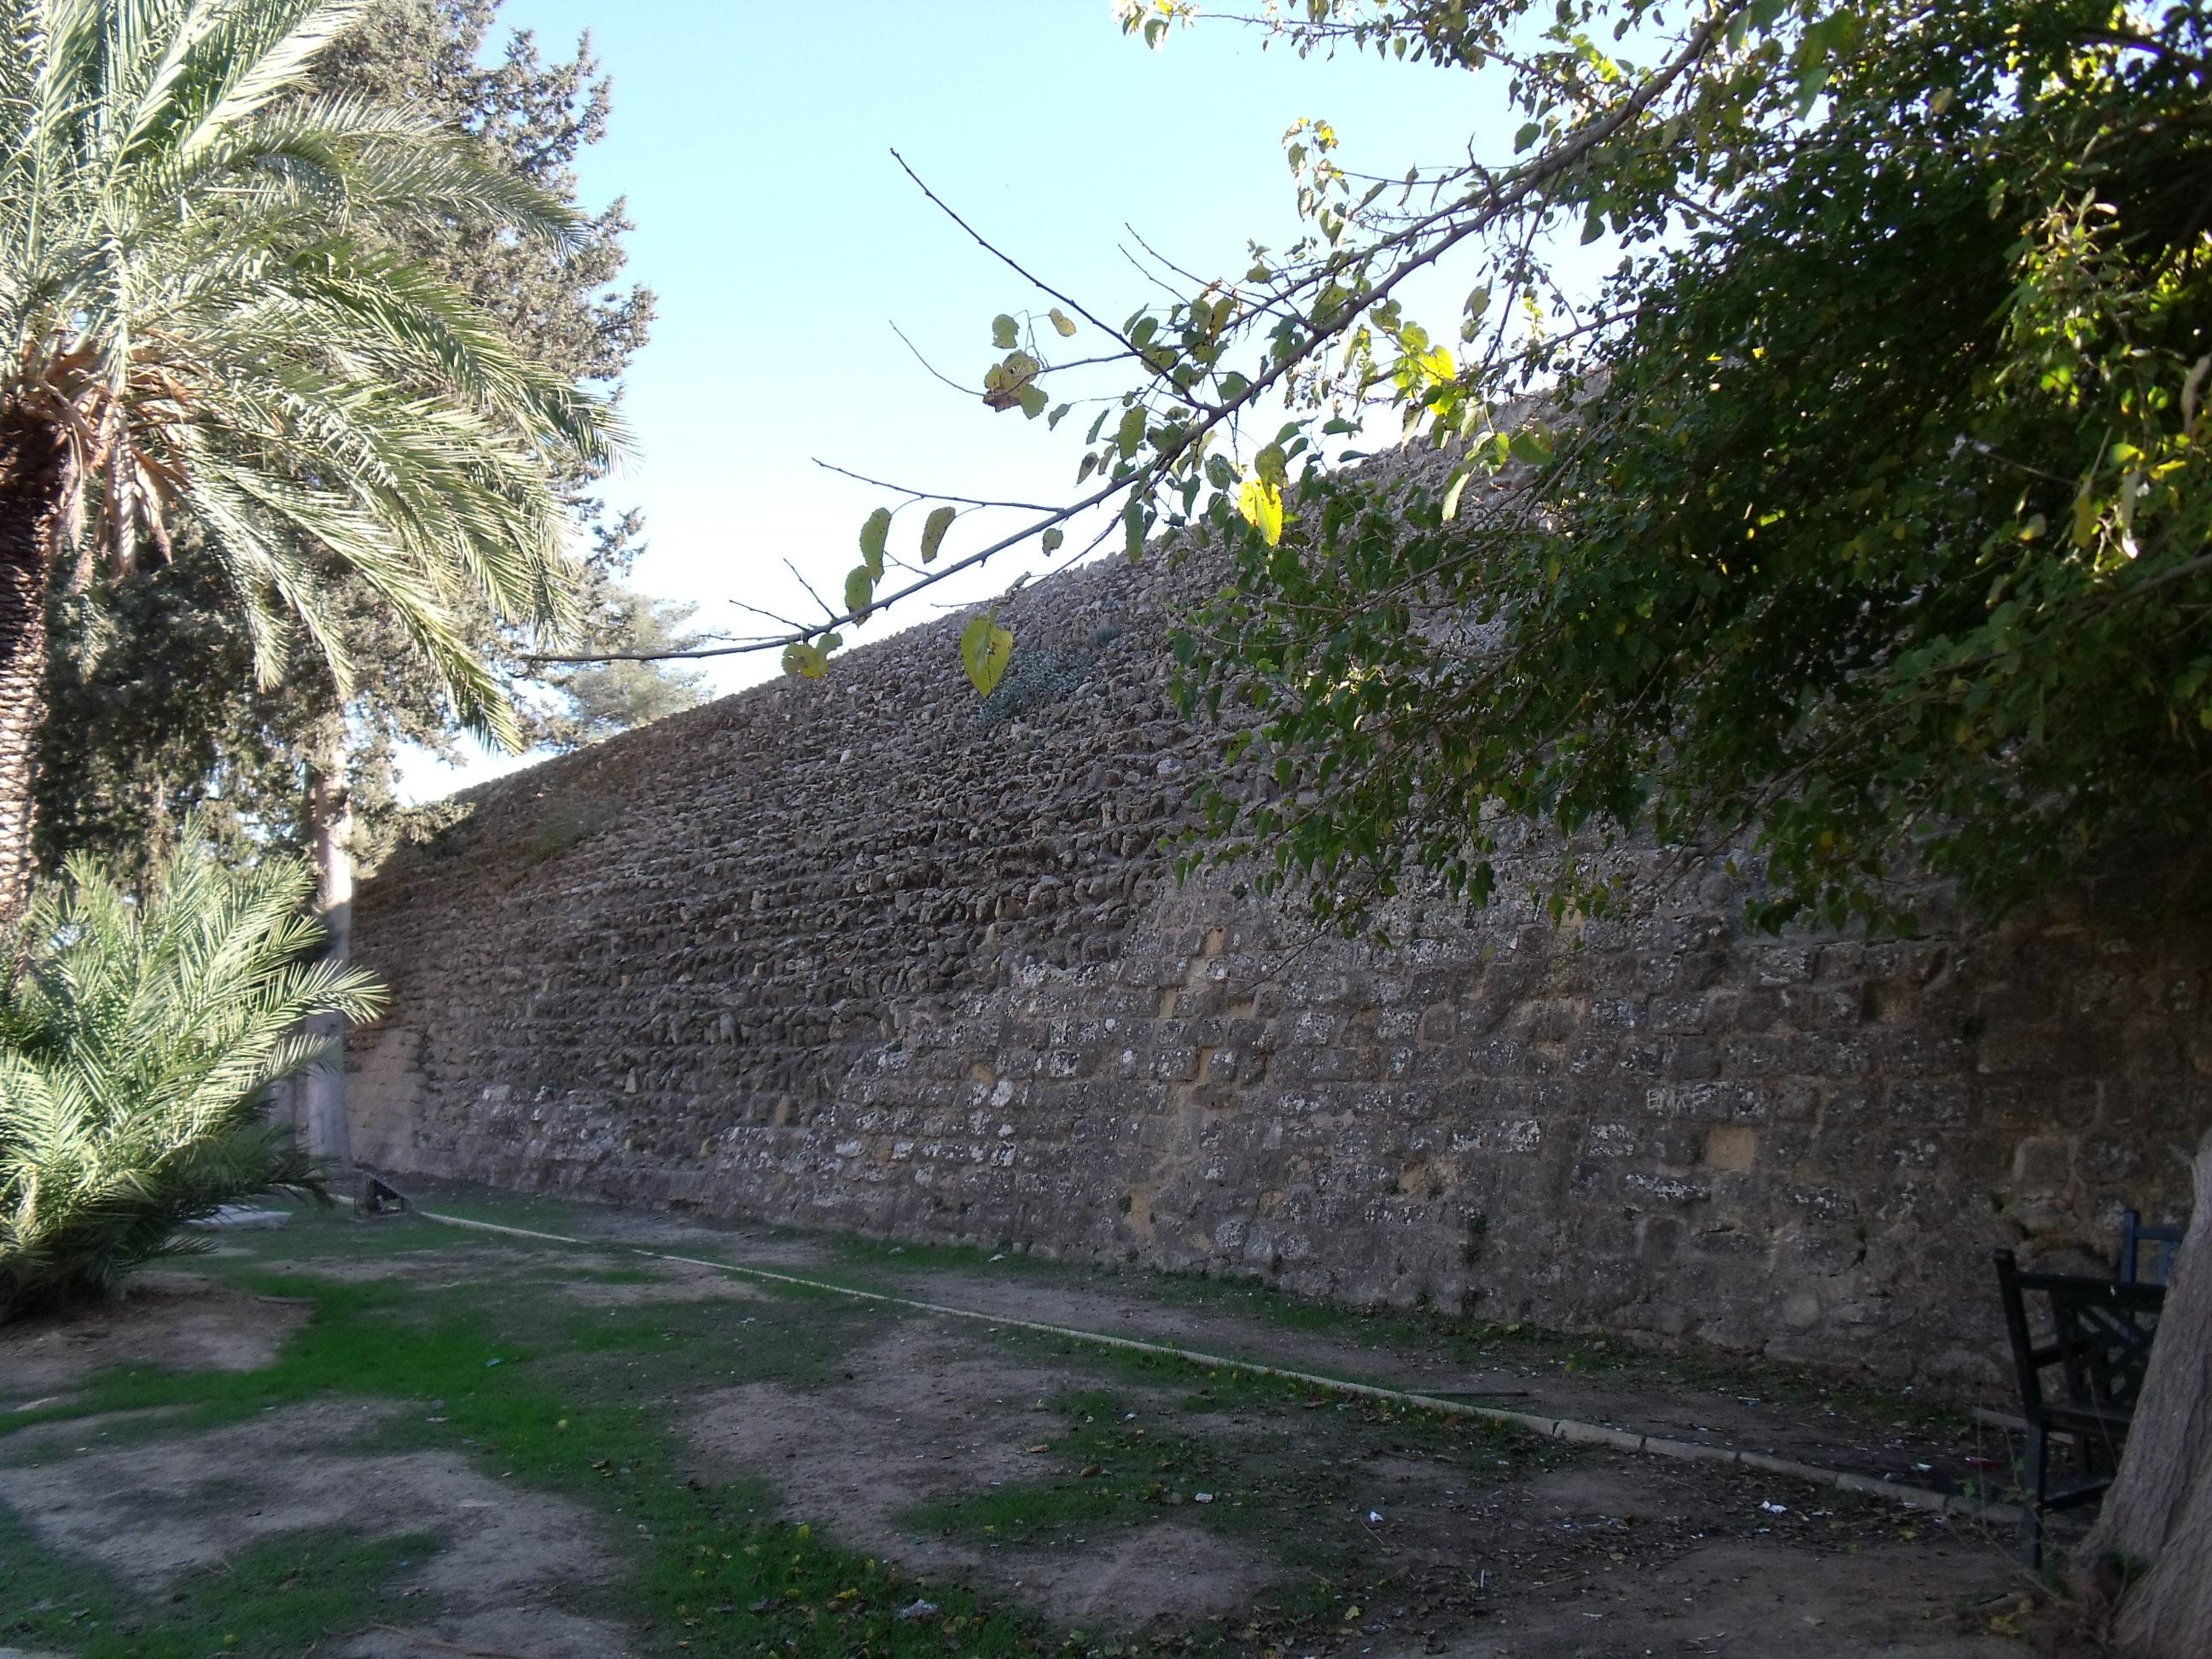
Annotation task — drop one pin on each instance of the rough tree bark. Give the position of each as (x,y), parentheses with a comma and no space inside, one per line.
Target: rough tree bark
(2158,1514)
(330,813)
(33,480)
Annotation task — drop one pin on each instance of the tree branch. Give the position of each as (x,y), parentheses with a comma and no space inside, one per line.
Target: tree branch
(1492,203)
(1012,264)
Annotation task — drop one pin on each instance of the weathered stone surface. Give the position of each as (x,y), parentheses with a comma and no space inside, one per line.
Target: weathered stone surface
(844,955)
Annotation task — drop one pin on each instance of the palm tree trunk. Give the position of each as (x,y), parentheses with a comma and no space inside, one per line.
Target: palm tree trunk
(33,482)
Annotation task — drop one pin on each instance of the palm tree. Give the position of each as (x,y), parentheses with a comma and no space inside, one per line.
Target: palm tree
(137,1042)
(201,323)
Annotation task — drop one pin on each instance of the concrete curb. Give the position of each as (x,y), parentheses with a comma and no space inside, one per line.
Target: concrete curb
(1550,1428)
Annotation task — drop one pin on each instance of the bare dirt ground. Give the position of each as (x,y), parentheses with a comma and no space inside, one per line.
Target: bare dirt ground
(959,1467)
(1739,1410)
(931,1415)
(1572,1562)
(1739,1598)
(153,1511)
(179,1320)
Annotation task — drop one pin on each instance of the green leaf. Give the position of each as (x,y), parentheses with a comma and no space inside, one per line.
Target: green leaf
(860,592)
(1006,333)
(1033,400)
(932,531)
(803,661)
(1131,437)
(1133,529)
(1531,445)
(986,648)
(1452,495)
(1219,473)
(1063,322)
(1054,538)
(874,534)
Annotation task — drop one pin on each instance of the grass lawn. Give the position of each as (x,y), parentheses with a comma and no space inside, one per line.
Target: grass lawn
(422,1440)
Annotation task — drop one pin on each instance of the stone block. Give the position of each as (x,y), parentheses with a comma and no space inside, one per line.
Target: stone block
(1730,1146)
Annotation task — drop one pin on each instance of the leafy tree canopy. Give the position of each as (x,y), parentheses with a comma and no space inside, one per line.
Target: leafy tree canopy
(157,711)
(1856,516)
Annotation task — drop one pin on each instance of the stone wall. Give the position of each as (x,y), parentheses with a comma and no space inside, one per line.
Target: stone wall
(861,954)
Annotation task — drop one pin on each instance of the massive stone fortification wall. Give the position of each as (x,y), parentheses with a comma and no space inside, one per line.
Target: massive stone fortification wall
(857,954)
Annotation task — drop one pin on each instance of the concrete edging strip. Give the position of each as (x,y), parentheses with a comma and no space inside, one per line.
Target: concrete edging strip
(1549,1428)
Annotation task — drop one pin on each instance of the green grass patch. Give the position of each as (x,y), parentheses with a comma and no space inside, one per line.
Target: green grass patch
(536,1390)
(1123,1470)
(1477,1343)
(277,1598)
(315,1233)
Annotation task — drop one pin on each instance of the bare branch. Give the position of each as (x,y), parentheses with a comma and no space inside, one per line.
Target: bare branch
(799,576)
(964,390)
(1012,264)
(967,561)
(1453,225)
(929,495)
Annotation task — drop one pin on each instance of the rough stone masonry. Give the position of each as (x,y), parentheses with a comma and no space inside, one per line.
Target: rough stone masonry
(866,954)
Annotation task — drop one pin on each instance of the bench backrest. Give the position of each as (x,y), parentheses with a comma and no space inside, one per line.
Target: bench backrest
(2159,1244)
(2088,1372)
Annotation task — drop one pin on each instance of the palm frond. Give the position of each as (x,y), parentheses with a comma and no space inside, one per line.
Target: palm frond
(137,1046)
(195,264)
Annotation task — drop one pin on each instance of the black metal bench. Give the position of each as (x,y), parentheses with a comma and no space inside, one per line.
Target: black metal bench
(2078,1385)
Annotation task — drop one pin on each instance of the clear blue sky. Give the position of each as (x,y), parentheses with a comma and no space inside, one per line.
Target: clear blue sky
(752,141)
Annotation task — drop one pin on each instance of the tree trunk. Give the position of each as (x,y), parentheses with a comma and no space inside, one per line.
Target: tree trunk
(2158,1515)
(33,482)
(330,814)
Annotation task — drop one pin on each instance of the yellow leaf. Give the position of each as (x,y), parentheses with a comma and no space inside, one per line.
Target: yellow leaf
(2085,517)
(806,662)
(1261,504)
(986,648)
